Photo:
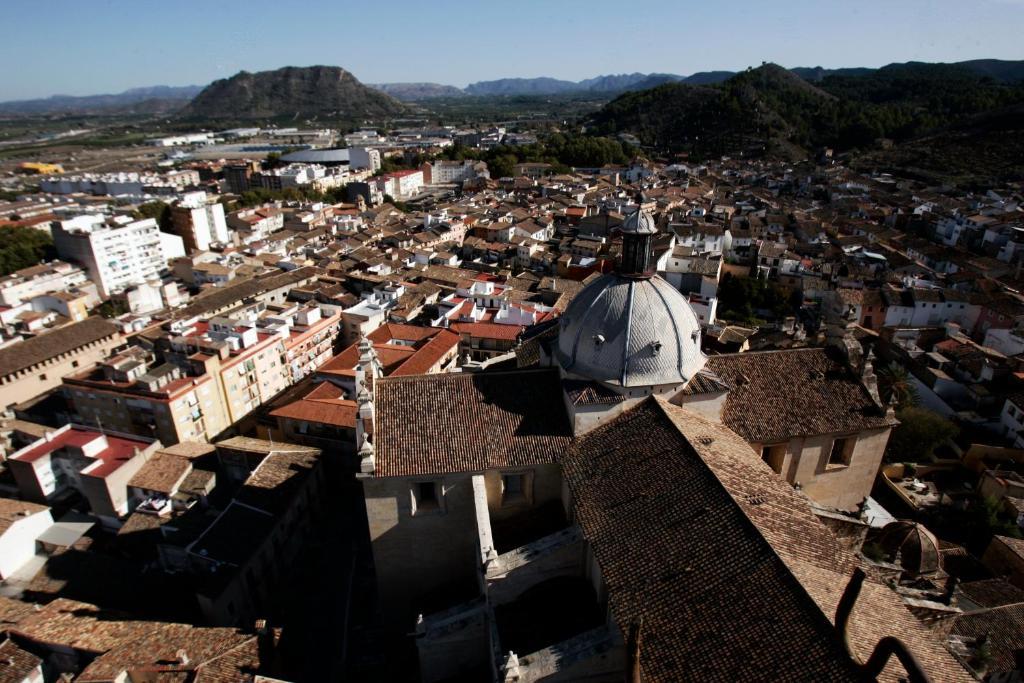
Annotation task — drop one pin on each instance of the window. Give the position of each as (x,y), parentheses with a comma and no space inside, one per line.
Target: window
(427,497)
(775,456)
(842,449)
(512,488)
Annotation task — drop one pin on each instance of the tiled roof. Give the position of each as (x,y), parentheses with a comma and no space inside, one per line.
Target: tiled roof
(879,612)
(12,511)
(468,422)
(992,592)
(428,355)
(488,330)
(12,611)
(1002,626)
(221,297)
(324,404)
(582,393)
(777,395)
(752,560)
(189,449)
(147,648)
(161,473)
(25,354)
(16,664)
(278,478)
(705,382)
(675,549)
(409,333)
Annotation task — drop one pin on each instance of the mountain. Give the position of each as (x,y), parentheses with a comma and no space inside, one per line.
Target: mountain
(999,70)
(775,111)
(292,92)
(708,77)
(157,96)
(599,85)
(414,92)
(623,82)
(522,86)
(815,74)
(978,152)
(1002,70)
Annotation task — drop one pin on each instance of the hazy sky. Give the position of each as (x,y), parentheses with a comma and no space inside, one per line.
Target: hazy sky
(98,46)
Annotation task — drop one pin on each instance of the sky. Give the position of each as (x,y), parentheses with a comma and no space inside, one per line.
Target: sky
(103,46)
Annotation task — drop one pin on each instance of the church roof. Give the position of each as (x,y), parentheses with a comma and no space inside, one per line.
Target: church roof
(677,550)
(777,395)
(733,576)
(469,422)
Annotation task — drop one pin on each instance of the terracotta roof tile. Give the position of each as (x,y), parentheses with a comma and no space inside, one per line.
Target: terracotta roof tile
(777,395)
(674,548)
(469,422)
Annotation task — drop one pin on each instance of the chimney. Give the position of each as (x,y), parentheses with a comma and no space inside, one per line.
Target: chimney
(511,668)
(266,647)
(950,590)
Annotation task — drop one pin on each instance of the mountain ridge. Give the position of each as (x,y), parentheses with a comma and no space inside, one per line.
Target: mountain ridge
(932,109)
(126,98)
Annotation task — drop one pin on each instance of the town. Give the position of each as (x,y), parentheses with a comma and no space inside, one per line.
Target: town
(400,402)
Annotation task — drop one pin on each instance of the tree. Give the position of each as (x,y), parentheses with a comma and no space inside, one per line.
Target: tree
(894,380)
(503,166)
(160,211)
(272,161)
(111,308)
(23,247)
(919,433)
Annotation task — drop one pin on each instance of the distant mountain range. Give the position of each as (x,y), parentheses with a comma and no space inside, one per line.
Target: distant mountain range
(300,83)
(136,98)
(414,92)
(614,84)
(327,92)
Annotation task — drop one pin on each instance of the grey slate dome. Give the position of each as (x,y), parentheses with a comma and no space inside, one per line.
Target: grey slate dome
(630,332)
(638,223)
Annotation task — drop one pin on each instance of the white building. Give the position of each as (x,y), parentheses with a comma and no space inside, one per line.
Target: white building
(370,313)
(116,253)
(28,283)
(443,171)
(401,184)
(178,140)
(21,523)
(364,157)
(206,219)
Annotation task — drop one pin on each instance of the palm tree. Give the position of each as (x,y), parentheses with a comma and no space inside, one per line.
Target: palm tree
(894,380)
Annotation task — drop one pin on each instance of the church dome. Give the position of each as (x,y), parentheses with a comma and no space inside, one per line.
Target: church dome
(912,546)
(630,332)
(639,223)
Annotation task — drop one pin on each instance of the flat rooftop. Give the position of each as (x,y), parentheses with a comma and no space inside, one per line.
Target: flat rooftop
(107,457)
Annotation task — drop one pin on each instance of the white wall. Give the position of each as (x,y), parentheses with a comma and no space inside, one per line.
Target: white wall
(18,543)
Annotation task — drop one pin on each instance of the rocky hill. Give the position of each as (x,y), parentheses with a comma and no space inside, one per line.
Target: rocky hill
(317,92)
